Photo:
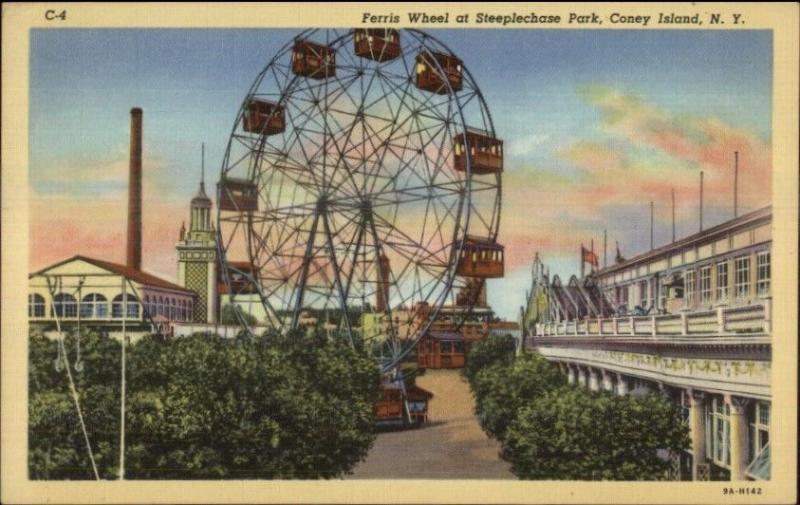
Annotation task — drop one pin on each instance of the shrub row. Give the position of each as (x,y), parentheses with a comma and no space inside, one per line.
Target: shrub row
(551,430)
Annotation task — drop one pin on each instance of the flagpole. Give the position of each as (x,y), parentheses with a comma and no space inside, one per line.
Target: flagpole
(673,214)
(736,184)
(701,200)
(583,263)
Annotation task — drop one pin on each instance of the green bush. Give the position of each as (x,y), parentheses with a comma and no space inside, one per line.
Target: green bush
(228,316)
(553,431)
(204,407)
(56,447)
(501,390)
(491,350)
(574,434)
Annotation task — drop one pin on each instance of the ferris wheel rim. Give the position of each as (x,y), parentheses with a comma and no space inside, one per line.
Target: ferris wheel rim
(464,206)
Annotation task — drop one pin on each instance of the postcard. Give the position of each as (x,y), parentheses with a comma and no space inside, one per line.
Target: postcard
(399,253)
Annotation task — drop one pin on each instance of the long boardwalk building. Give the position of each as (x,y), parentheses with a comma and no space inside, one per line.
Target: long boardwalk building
(691,320)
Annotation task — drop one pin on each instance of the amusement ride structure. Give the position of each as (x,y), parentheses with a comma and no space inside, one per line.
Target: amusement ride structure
(361,180)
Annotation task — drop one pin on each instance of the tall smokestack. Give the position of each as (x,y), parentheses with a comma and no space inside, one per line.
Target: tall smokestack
(382,295)
(134,253)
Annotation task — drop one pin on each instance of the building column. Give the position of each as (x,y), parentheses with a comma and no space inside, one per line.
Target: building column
(697,425)
(594,385)
(622,386)
(740,436)
(608,385)
(581,376)
(571,379)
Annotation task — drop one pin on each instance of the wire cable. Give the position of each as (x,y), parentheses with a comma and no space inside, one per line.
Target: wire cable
(75,398)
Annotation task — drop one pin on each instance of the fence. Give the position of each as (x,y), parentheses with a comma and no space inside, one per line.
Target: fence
(723,320)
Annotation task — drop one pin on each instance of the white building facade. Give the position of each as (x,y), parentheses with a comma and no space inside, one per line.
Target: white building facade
(691,320)
(87,292)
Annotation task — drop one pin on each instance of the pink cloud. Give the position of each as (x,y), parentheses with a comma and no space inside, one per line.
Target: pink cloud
(62,226)
(551,209)
(554,209)
(696,143)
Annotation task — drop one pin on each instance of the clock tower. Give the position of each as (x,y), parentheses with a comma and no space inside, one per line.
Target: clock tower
(197,255)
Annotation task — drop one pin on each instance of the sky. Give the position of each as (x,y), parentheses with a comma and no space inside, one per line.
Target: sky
(596,124)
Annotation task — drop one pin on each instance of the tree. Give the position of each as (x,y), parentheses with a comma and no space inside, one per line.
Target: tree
(570,433)
(493,349)
(56,447)
(501,390)
(228,316)
(274,406)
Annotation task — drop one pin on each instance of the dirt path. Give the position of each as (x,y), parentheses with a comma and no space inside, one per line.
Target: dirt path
(451,446)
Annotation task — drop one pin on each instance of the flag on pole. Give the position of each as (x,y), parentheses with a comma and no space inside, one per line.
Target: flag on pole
(589,256)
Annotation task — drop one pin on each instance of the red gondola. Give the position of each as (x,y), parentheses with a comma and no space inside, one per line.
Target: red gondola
(242,276)
(393,409)
(237,195)
(481,258)
(379,44)
(262,117)
(389,404)
(430,78)
(486,152)
(312,60)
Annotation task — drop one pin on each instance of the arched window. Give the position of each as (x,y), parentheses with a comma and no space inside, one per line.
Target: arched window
(94,305)
(35,305)
(133,307)
(161,311)
(65,305)
(172,309)
(117,307)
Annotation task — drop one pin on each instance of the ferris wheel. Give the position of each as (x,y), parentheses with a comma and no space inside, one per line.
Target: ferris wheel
(360,190)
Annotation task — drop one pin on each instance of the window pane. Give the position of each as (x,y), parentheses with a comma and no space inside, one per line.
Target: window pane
(763,439)
(742,277)
(722,281)
(705,284)
(763,272)
(763,414)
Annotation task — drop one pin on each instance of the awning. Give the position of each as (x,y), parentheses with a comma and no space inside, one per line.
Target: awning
(417,393)
(443,335)
(760,468)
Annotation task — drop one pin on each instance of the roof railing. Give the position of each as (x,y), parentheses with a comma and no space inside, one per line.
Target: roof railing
(723,321)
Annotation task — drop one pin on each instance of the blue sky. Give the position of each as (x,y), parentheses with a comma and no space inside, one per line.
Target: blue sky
(540,86)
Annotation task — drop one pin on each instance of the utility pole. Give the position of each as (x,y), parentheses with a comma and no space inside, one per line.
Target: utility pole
(651,224)
(122,384)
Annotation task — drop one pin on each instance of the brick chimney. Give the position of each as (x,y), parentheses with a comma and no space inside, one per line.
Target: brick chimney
(134,252)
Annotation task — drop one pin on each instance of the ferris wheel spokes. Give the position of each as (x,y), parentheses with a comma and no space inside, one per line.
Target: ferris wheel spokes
(361,208)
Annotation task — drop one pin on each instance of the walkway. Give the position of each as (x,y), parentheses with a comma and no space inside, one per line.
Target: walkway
(451,446)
